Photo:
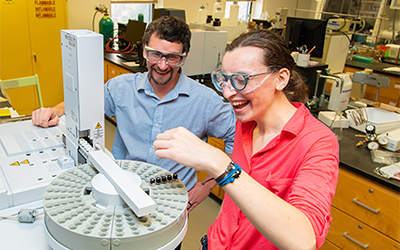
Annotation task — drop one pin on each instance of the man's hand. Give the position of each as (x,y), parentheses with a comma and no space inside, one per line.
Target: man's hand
(198,193)
(44,117)
(47,117)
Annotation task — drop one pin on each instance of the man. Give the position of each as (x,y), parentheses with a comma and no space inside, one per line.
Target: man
(163,98)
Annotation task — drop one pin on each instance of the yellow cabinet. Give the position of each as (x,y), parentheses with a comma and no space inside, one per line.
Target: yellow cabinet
(31,44)
(365,214)
(111,70)
(217,191)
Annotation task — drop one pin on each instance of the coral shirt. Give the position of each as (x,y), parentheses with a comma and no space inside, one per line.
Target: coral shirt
(300,165)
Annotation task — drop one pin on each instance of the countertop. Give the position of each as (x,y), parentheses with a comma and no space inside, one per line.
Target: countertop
(113,58)
(359,160)
(375,66)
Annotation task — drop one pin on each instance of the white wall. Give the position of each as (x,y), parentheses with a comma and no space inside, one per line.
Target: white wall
(80,13)
(271,7)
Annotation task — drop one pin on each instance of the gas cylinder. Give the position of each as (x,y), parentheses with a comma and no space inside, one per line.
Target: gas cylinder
(106,27)
(140,17)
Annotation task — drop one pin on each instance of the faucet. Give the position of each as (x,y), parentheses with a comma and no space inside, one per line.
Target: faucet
(314,102)
(321,99)
(339,81)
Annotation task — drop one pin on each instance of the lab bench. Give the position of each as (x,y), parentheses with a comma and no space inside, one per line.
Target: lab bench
(113,66)
(366,206)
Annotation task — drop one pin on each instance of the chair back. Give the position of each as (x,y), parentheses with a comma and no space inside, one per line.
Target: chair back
(23,93)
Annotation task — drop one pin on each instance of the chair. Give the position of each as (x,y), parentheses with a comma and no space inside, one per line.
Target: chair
(22,100)
(373,80)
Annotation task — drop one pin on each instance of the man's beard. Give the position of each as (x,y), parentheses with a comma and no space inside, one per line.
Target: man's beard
(160,82)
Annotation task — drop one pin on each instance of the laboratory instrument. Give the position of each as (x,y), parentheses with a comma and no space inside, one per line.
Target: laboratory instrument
(90,201)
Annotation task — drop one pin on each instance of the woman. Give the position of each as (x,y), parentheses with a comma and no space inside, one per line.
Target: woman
(283,174)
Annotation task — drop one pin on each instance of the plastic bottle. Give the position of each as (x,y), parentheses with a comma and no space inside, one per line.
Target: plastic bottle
(234,13)
(217,5)
(339,100)
(202,15)
(106,26)
(218,14)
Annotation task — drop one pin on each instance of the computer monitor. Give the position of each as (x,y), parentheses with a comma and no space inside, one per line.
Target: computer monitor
(134,31)
(306,31)
(169,12)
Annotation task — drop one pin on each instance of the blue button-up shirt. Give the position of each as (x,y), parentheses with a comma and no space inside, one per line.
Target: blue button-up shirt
(141,115)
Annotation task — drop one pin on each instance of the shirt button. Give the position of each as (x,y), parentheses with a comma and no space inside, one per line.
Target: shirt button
(156,125)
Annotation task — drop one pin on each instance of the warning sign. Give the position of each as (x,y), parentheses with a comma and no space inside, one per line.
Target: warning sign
(25,162)
(98,131)
(15,164)
(45,9)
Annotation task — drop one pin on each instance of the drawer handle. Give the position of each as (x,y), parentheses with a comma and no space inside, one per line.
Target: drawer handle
(365,206)
(353,240)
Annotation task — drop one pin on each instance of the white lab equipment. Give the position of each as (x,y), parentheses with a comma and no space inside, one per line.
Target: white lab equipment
(340,95)
(206,53)
(336,46)
(279,19)
(82,60)
(122,207)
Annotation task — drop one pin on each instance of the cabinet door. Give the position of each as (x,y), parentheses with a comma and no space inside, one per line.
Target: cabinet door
(348,233)
(31,44)
(328,246)
(114,70)
(46,20)
(369,202)
(15,49)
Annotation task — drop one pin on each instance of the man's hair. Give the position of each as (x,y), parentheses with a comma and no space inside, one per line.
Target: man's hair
(170,28)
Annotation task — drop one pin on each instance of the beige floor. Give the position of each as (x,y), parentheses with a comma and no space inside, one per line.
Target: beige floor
(199,219)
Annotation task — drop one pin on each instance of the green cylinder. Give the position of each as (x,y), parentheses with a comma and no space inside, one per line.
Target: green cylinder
(140,17)
(106,27)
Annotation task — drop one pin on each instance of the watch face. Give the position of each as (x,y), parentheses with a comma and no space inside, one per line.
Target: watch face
(383,140)
(373,145)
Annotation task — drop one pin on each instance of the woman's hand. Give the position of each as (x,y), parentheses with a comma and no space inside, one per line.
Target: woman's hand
(182,146)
